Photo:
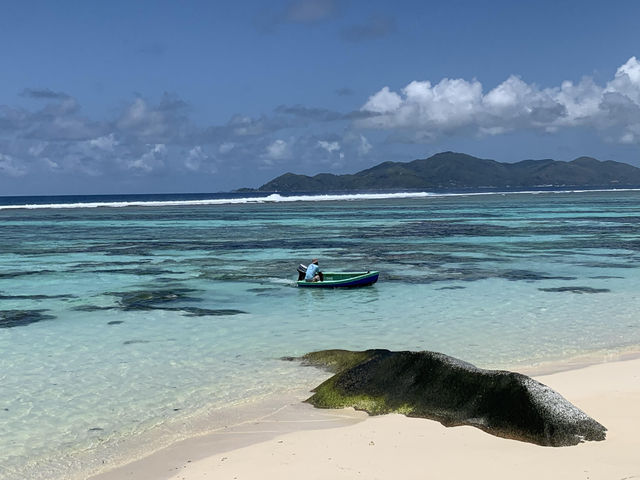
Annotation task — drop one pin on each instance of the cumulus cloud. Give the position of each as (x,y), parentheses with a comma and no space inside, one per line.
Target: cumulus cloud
(226,147)
(335,152)
(245,126)
(146,137)
(198,160)
(140,117)
(166,121)
(627,81)
(384,101)
(277,150)
(57,120)
(152,159)
(364,146)
(106,142)
(455,105)
(329,146)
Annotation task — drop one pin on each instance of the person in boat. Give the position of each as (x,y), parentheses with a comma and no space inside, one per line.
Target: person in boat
(313,272)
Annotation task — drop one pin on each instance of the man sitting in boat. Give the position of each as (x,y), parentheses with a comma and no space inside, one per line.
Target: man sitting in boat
(313,272)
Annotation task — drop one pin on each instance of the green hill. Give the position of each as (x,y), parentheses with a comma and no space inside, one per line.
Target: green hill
(457,170)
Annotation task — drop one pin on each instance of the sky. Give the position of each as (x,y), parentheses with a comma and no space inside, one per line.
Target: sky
(210,96)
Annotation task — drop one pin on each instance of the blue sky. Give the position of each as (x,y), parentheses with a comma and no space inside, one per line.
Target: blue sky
(195,96)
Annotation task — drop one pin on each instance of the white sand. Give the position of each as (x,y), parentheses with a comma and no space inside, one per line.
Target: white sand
(289,445)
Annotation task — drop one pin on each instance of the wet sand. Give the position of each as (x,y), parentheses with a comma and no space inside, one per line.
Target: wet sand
(297,441)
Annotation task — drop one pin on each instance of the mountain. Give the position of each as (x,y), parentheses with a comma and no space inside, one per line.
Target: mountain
(456,170)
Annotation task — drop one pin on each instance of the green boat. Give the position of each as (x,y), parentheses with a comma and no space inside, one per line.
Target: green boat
(338,279)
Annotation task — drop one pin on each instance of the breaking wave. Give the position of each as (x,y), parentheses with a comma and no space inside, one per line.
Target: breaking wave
(32,203)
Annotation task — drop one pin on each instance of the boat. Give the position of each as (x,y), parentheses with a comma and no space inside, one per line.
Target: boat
(338,279)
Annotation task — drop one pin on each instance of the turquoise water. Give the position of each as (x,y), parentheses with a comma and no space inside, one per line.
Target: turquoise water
(123,329)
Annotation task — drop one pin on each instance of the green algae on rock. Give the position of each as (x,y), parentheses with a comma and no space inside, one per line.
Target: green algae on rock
(442,388)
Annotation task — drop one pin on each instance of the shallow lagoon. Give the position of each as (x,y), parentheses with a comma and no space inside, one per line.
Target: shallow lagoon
(143,320)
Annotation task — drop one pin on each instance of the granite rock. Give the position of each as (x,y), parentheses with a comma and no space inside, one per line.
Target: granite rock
(442,388)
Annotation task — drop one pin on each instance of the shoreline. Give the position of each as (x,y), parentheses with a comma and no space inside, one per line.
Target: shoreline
(607,390)
(294,416)
(578,362)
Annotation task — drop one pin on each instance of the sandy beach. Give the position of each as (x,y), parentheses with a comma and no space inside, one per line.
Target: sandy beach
(297,441)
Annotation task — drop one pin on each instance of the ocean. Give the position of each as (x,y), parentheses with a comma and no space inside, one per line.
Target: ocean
(128,322)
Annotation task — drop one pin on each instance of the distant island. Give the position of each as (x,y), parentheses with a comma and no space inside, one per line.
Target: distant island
(450,170)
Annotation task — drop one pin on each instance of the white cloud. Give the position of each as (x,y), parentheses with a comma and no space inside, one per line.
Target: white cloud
(581,101)
(449,104)
(278,150)
(50,164)
(146,136)
(455,105)
(194,158)
(329,146)
(139,117)
(151,160)
(226,147)
(244,126)
(198,160)
(161,123)
(627,80)
(364,146)
(383,102)
(106,142)
(513,97)
(628,138)
(632,135)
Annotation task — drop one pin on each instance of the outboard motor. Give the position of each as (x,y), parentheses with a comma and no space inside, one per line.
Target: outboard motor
(302,271)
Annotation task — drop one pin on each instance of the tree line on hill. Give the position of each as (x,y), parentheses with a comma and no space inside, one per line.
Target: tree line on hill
(450,170)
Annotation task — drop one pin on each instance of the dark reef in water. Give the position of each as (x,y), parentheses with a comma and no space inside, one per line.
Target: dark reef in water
(575,289)
(473,274)
(132,342)
(21,318)
(438,387)
(22,274)
(172,300)
(154,299)
(90,308)
(137,271)
(35,297)
(204,312)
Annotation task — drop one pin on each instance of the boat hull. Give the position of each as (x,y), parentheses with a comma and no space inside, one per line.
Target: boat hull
(343,280)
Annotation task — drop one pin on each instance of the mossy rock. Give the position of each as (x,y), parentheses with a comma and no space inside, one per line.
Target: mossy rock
(336,360)
(453,392)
